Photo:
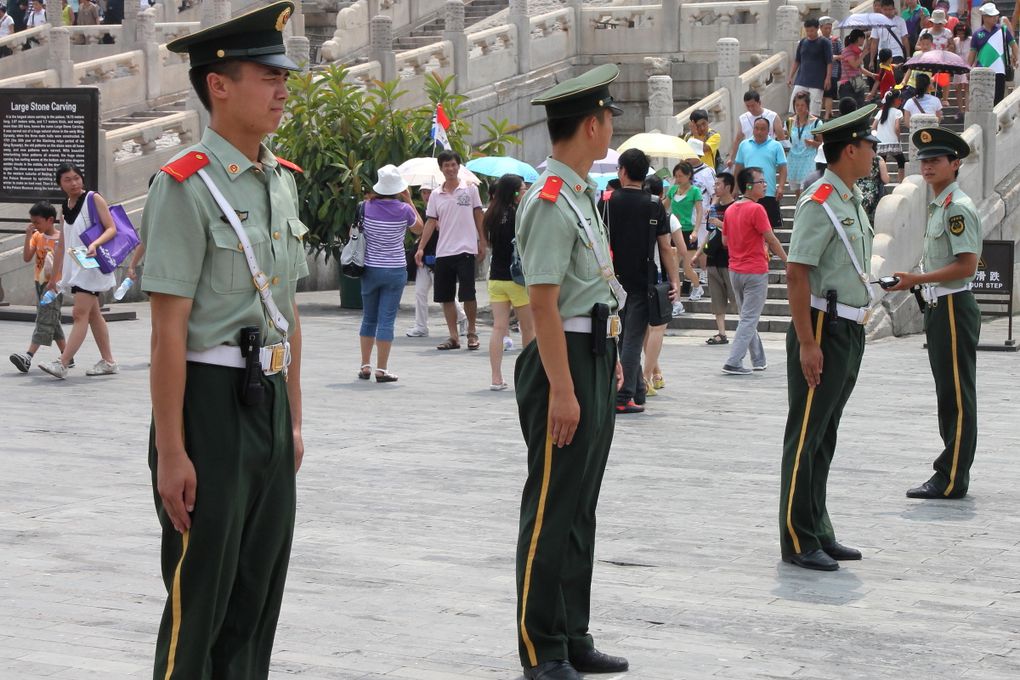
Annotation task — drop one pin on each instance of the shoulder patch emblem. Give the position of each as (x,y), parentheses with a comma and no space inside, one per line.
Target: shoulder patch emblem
(551,189)
(287,164)
(822,193)
(186,166)
(957,224)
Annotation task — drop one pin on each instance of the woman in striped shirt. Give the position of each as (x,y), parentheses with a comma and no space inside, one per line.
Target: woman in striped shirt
(388,216)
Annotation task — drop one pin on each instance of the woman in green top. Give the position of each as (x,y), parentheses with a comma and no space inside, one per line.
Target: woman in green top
(684,201)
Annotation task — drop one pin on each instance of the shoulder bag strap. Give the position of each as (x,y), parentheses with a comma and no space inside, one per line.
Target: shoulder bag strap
(258,277)
(849,249)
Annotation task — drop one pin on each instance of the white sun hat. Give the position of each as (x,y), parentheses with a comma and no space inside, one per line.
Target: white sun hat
(390,182)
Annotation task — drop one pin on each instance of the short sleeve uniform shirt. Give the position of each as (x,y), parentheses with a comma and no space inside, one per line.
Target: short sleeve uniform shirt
(953,228)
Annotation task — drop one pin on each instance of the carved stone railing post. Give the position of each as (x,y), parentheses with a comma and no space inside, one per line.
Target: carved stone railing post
(660,97)
(380,32)
(55,13)
(453,30)
(129,26)
(153,58)
(917,121)
(839,9)
(214,11)
(670,26)
(522,21)
(787,31)
(728,78)
(299,49)
(60,56)
(980,111)
(773,17)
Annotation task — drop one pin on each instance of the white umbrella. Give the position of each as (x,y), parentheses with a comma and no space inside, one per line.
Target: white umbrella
(607,164)
(864,21)
(419,171)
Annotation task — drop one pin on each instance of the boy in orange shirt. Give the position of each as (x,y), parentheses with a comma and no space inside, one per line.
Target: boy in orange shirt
(41,237)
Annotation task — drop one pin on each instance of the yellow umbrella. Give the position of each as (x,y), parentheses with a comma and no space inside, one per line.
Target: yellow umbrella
(659,145)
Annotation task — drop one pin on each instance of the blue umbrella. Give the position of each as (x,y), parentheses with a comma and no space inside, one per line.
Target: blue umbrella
(497,166)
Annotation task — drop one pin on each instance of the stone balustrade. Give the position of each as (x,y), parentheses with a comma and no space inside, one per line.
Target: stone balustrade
(413,66)
(492,56)
(363,75)
(29,51)
(352,22)
(616,29)
(171,30)
(133,151)
(551,35)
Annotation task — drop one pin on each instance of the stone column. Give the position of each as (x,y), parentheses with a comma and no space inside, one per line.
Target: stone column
(918,121)
(299,49)
(579,27)
(129,26)
(380,32)
(728,78)
(839,9)
(773,15)
(670,26)
(55,13)
(521,20)
(660,101)
(453,31)
(60,56)
(153,59)
(787,30)
(980,105)
(213,12)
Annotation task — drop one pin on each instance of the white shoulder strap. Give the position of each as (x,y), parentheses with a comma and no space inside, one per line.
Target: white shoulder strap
(849,249)
(605,266)
(258,277)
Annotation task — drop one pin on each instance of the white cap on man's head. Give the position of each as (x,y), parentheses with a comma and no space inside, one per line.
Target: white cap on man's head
(826,20)
(989,9)
(939,17)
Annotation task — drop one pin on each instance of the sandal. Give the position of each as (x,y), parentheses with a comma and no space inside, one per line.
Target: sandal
(384,376)
(472,339)
(449,343)
(365,372)
(499,387)
(718,339)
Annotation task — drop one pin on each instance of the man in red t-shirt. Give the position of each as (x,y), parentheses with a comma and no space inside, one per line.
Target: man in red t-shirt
(747,234)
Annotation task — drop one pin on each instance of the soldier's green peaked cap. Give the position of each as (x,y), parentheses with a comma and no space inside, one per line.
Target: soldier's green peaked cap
(582,95)
(254,36)
(850,127)
(932,142)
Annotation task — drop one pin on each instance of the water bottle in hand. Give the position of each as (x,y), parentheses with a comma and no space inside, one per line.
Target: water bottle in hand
(123,288)
(48,297)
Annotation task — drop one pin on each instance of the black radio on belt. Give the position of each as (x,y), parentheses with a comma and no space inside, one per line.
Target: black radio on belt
(599,327)
(830,308)
(252,389)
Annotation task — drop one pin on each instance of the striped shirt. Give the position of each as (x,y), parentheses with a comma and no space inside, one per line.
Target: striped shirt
(386,223)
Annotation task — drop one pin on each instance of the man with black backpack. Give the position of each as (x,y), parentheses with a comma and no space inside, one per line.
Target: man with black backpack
(637,223)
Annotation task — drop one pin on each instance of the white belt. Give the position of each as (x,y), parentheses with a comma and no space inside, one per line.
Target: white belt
(856,314)
(274,358)
(941,291)
(582,324)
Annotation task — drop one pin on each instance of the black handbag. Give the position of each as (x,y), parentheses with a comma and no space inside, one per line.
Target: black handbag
(660,307)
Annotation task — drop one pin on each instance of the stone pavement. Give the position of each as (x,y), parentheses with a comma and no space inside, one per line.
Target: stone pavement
(403,564)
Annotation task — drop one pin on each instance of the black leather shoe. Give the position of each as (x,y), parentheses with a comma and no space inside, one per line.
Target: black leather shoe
(838,551)
(816,559)
(926,490)
(594,661)
(552,670)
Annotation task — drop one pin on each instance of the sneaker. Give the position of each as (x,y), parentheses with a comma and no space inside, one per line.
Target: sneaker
(462,326)
(629,407)
(417,333)
(696,294)
(736,370)
(702,277)
(103,367)
(22,362)
(760,368)
(678,309)
(56,369)
(508,343)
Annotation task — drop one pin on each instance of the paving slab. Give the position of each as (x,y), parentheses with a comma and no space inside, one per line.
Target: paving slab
(403,558)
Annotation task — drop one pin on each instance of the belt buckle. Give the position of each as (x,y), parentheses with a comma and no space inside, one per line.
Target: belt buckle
(277,361)
(614,326)
(867,317)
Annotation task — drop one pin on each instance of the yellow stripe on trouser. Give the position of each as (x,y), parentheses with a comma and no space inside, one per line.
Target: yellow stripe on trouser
(175,608)
(800,446)
(539,516)
(959,398)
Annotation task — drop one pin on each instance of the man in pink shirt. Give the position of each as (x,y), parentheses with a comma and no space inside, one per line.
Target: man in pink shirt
(455,209)
(747,234)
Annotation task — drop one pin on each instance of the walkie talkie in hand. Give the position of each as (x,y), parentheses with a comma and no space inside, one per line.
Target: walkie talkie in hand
(252,389)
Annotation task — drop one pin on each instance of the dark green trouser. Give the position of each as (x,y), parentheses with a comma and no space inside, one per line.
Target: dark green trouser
(556,546)
(953,327)
(811,427)
(225,576)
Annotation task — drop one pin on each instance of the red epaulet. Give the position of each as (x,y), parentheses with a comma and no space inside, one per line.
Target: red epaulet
(822,193)
(186,166)
(551,189)
(949,199)
(287,164)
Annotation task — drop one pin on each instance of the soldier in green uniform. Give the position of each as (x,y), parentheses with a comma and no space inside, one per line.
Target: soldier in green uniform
(952,320)
(566,383)
(225,443)
(827,276)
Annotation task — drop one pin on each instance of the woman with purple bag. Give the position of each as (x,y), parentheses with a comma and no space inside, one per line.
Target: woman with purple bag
(75,267)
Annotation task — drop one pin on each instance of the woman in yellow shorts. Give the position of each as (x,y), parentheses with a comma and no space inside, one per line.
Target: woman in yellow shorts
(503,291)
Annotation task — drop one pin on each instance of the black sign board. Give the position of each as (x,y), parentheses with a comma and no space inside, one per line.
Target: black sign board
(39,129)
(995,268)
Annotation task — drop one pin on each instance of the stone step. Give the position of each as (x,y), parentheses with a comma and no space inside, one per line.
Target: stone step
(701,321)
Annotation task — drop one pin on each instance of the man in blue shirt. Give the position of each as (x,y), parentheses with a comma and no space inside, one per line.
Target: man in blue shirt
(767,154)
